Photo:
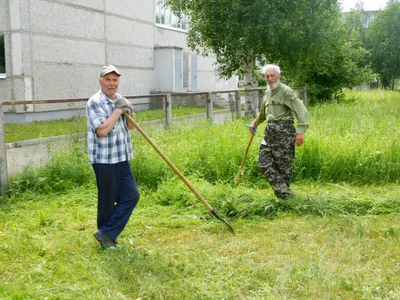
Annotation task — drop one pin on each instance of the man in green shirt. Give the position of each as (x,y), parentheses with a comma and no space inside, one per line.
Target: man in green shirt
(277,149)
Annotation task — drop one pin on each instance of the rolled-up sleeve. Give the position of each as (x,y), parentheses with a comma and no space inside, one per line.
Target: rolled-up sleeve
(95,114)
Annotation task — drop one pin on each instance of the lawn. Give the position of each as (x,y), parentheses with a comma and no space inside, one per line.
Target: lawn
(338,239)
(172,252)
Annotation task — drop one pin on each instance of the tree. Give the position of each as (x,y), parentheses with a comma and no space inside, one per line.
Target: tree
(383,42)
(340,60)
(243,32)
(357,21)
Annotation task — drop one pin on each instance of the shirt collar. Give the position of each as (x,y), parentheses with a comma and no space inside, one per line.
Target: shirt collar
(104,97)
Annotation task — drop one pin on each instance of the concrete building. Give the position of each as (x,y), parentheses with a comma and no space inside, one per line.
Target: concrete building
(54,49)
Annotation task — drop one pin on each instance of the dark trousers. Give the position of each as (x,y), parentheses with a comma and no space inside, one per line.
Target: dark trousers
(117,197)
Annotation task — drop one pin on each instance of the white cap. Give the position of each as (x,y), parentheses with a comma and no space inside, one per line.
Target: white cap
(109,69)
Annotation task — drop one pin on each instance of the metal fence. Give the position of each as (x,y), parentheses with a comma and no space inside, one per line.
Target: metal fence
(18,151)
(377,84)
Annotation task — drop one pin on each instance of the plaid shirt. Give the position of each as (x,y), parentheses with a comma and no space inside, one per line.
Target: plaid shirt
(116,146)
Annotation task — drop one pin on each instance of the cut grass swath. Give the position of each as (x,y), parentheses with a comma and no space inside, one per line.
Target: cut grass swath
(177,172)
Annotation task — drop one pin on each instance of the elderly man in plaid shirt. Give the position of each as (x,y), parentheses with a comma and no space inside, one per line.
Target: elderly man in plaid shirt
(109,150)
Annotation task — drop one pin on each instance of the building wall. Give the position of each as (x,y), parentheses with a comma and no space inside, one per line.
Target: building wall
(56,48)
(207,77)
(5,83)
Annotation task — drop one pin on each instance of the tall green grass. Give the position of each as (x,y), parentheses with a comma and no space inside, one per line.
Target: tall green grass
(339,239)
(354,142)
(65,171)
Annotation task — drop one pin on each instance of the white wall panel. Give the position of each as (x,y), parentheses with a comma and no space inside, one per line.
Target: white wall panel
(56,19)
(95,4)
(130,56)
(123,31)
(140,10)
(61,50)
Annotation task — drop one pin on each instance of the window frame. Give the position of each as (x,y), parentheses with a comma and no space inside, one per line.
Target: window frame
(166,19)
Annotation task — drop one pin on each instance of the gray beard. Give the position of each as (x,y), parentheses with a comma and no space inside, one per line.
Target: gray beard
(274,85)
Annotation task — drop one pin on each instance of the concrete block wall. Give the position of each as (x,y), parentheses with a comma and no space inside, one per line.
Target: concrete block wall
(56,48)
(5,83)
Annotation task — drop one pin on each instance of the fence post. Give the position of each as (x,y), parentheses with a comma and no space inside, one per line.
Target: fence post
(305,95)
(3,156)
(238,105)
(260,99)
(167,106)
(209,107)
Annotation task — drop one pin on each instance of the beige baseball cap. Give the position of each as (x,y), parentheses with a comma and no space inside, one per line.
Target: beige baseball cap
(109,69)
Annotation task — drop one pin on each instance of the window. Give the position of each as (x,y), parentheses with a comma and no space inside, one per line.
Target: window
(165,17)
(2,57)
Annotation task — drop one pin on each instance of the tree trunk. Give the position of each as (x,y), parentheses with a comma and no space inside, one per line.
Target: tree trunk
(250,82)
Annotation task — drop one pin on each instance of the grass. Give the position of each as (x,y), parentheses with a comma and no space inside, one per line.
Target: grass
(356,141)
(174,252)
(339,239)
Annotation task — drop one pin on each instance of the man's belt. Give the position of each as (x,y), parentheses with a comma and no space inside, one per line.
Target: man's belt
(281,122)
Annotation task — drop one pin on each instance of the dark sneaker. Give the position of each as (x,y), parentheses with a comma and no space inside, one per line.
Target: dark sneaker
(116,245)
(104,240)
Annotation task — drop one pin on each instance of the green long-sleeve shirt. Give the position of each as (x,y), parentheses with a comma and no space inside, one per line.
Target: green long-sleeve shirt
(282,104)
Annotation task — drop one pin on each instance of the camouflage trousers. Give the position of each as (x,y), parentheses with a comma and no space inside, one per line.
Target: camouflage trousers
(276,157)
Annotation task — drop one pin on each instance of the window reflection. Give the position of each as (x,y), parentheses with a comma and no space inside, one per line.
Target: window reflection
(165,17)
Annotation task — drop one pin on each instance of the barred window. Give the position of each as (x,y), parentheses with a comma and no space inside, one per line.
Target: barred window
(165,17)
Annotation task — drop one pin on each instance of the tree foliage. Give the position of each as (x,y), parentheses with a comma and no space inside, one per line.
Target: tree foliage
(339,60)
(235,29)
(306,38)
(383,41)
(356,21)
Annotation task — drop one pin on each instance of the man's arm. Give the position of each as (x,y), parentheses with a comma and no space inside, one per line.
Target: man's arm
(300,111)
(109,123)
(261,117)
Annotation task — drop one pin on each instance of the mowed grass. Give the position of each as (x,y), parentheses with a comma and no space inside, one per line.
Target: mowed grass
(339,239)
(172,252)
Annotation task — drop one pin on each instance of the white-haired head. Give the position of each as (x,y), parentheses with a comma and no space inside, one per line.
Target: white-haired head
(275,68)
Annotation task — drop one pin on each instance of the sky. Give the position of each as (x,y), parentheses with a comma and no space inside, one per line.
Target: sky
(347,5)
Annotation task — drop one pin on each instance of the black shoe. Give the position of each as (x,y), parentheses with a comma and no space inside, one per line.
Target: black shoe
(104,240)
(116,245)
